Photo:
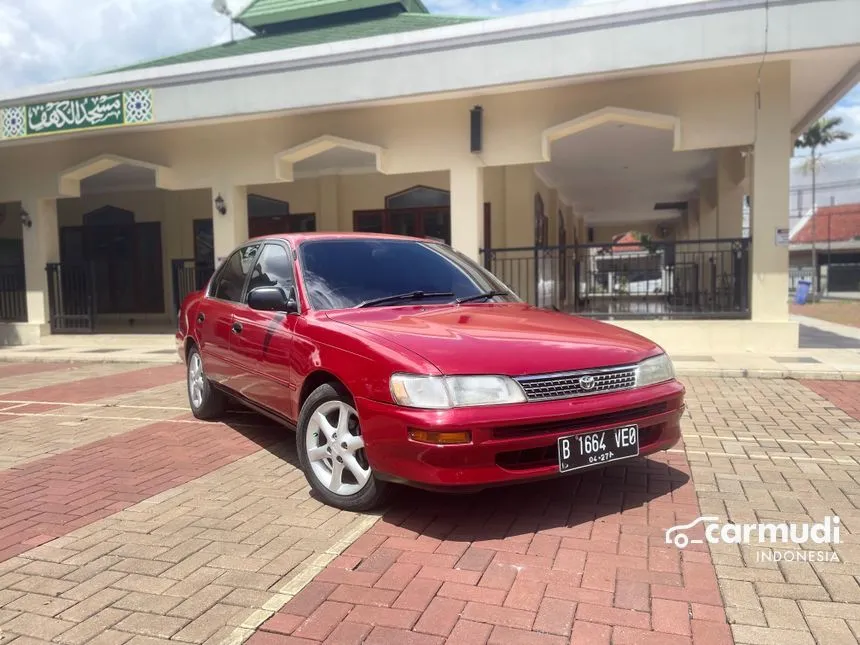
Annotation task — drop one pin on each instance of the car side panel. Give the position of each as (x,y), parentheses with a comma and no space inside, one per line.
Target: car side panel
(264,347)
(213,322)
(320,344)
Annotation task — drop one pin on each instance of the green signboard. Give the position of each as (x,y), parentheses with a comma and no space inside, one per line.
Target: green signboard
(102,111)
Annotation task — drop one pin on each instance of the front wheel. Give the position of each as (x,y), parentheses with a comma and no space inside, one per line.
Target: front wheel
(331,451)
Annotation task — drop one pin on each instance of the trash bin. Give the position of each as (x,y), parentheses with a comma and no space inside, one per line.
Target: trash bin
(802,293)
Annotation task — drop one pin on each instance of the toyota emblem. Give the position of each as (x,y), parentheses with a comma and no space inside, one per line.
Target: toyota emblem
(586,382)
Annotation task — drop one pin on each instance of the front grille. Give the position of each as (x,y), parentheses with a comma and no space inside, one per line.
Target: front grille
(582,383)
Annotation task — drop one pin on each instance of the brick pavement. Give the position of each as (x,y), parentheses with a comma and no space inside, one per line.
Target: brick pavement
(22,432)
(777,451)
(136,544)
(58,373)
(580,559)
(845,396)
(206,533)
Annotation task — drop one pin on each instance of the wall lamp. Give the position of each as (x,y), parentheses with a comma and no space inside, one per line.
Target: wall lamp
(25,219)
(220,206)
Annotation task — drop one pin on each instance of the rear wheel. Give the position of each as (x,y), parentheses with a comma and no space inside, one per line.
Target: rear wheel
(331,451)
(206,402)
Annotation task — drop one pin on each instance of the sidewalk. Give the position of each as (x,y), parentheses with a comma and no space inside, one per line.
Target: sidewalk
(96,348)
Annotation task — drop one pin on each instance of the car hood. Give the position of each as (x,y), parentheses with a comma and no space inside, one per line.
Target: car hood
(510,339)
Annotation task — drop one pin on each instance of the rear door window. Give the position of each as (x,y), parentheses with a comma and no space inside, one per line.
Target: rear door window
(230,281)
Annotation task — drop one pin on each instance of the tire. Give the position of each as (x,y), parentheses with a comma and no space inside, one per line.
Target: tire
(355,488)
(206,402)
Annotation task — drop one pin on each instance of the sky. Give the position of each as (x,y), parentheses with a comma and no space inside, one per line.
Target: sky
(49,40)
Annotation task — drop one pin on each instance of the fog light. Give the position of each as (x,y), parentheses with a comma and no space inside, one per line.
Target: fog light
(440,438)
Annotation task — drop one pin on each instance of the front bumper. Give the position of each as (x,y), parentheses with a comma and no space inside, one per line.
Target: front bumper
(510,442)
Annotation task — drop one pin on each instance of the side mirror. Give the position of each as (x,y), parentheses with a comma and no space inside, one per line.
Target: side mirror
(272,299)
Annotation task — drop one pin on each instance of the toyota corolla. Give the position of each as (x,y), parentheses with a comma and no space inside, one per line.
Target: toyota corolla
(400,360)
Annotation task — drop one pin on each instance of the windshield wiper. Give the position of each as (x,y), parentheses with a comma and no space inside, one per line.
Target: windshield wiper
(480,296)
(411,295)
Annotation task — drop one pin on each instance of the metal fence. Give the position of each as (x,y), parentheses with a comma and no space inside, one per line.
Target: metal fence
(798,274)
(72,297)
(188,276)
(13,294)
(687,279)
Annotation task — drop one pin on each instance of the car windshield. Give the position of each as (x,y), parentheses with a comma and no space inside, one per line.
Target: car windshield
(349,272)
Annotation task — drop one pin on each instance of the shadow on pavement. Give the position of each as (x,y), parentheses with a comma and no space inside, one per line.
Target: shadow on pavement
(566,501)
(508,511)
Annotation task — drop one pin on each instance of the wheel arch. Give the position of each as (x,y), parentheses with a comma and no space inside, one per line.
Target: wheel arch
(314,380)
(189,342)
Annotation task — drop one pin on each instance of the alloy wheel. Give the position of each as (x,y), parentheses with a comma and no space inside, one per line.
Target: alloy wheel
(336,449)
(195,380)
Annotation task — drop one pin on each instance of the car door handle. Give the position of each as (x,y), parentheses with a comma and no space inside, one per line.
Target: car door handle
(237,328)
(201,317)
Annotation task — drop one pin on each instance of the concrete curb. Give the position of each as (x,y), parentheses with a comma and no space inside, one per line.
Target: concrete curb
(51,357)
(727,372)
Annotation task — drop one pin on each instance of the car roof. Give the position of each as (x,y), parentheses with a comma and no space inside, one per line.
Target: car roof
(296,239)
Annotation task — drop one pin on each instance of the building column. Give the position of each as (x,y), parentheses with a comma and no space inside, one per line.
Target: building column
(327,218)
(770,198)
(519,205)
(731,171)
(467,210)
(231,228)
(708,227)
(41,241)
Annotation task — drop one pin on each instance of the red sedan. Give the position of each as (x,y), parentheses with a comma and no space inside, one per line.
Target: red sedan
(400,360)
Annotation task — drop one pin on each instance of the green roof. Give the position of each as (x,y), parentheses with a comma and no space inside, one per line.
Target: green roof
(313,35)
(263,13)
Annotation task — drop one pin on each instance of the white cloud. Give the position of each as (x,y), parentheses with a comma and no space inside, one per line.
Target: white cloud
(47,40)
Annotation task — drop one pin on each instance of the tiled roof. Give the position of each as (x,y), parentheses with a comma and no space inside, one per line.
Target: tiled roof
(630,242)
(268,12)
(836,223)
(403,22)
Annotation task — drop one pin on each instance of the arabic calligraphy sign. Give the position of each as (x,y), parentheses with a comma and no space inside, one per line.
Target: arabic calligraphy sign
(101,111)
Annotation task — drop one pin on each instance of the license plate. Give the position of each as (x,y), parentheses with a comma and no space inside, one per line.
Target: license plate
(593,448)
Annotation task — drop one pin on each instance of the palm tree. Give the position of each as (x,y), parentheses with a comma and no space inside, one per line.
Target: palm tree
(819,135)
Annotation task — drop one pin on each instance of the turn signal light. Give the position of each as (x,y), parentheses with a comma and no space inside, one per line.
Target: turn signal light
(440,438)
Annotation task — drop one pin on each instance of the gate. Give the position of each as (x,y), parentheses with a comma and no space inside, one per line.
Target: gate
(13,294)
(72,297)
(188,276)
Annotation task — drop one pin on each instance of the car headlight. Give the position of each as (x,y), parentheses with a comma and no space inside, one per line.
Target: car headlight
(654,370)
(442,392)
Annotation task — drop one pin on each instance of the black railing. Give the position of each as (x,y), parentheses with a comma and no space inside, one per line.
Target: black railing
(72,297)
(686,279)
(13,294)
(188,276)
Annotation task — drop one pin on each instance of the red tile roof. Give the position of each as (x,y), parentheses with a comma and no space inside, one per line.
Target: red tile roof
(629,239)
(837,223)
